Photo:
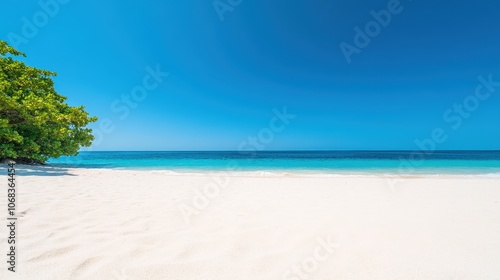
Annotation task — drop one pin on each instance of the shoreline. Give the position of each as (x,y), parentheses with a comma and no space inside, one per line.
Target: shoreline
(271,172)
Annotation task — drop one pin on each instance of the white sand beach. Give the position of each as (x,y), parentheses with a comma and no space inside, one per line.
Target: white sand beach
(115,224)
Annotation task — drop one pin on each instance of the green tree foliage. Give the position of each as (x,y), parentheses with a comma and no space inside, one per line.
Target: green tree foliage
(35,122)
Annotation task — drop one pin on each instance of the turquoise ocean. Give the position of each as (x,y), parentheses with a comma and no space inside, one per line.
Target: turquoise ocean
(334,162)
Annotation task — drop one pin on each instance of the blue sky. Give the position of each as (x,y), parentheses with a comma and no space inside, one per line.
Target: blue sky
(226,76)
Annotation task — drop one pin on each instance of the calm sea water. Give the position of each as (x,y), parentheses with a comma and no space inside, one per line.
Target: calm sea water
(461,162)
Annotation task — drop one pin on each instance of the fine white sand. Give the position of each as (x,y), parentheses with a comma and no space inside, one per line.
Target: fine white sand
(111,224)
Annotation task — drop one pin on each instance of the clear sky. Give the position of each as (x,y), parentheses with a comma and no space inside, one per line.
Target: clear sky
(408,77)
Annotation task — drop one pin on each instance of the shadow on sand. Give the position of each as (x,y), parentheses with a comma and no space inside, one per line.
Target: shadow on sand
(42,170)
